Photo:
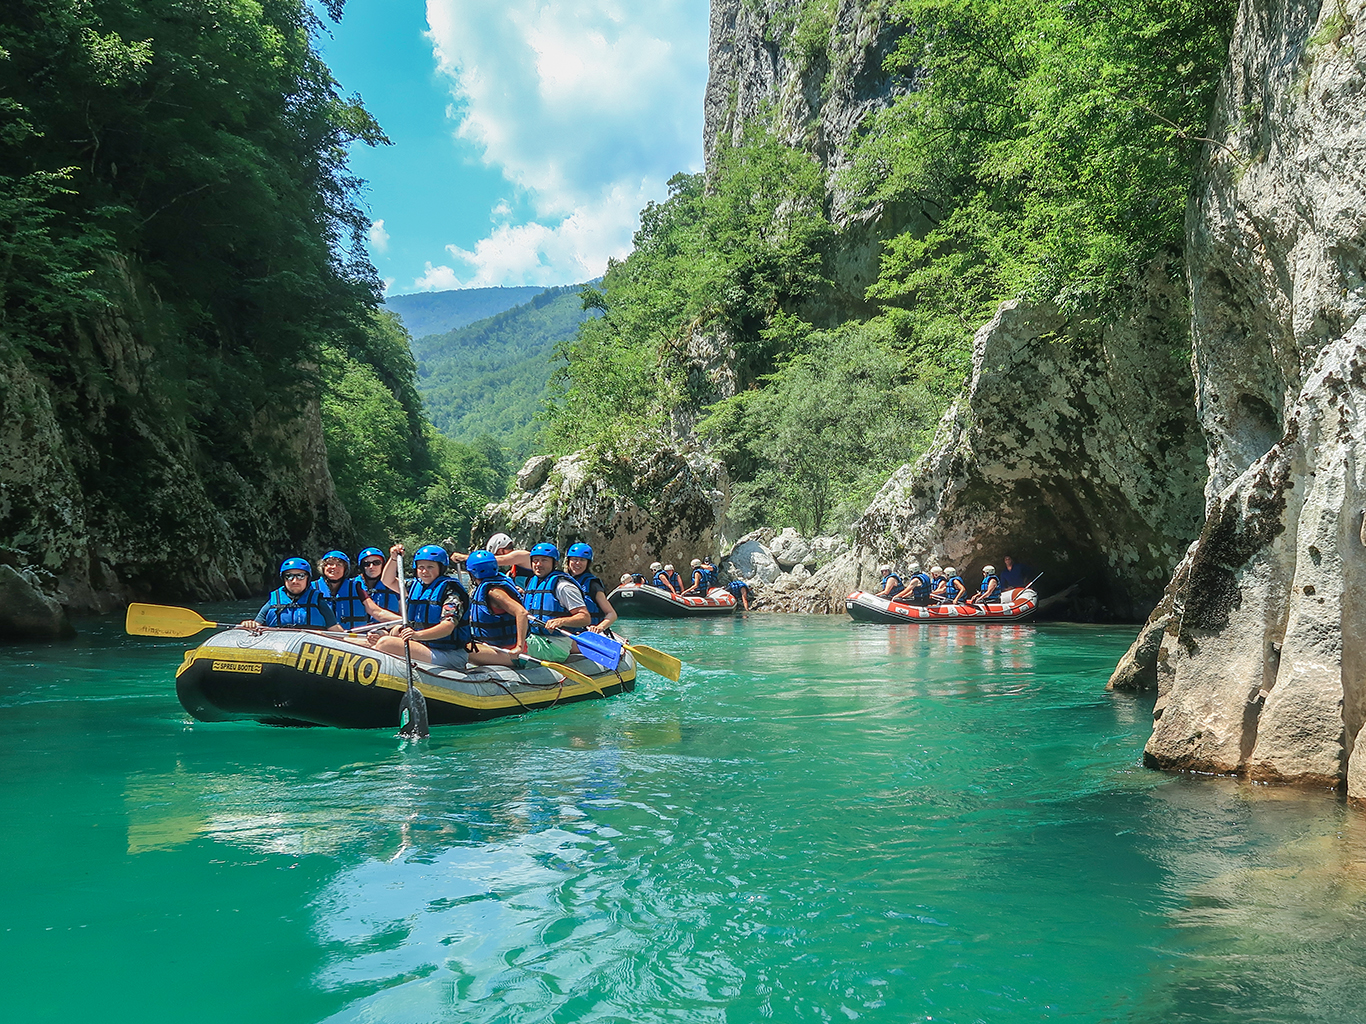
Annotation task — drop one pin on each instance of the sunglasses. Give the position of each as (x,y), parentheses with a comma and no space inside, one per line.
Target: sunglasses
(296,575)
(370,563)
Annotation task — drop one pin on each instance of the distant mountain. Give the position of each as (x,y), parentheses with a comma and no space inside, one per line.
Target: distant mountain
(438,312)
(490,377)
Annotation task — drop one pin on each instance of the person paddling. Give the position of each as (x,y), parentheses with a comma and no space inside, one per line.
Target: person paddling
(990,591)
(939,585)
(701,579)
(600,611)
(918,587)
(557,602)
(295,604)
(660,578)
(891,581)
(954,587)
(437,606)
(675,580)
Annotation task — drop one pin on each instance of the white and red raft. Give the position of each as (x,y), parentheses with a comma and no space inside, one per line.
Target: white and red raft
(1015,605)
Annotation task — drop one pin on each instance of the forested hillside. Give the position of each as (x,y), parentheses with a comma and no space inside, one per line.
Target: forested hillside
(182,279)
(425,313)
(489,379)
(1031,149)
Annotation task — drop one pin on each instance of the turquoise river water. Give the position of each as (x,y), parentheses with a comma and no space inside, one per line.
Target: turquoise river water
(823,821)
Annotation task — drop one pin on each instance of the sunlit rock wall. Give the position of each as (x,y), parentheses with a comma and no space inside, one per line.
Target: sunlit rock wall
(664,505)
(1260,661)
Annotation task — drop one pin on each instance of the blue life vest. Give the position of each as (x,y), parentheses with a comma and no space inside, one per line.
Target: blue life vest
(956,588)
(541,601)
(347,604)
(283,609)
(986,582)
(425,606)
(702,580)
(381,594)
(735,586)
(899,584)
(661,581)
(487,625)
(585,583)
(920,586)
(677,581)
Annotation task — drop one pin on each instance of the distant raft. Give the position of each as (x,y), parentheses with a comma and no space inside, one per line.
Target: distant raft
(643,601)
(1015,605)
(302,678)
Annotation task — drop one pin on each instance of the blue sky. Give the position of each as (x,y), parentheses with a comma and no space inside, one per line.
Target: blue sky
(527,134)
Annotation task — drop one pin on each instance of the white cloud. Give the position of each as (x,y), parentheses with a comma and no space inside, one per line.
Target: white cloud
(379,238)
(587,105)
(437,279)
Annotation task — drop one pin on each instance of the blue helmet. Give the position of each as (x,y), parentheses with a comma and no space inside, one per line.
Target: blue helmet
(342,555)
(376,552)
(290,564)
(481,564)
(432,553)
(579,551)
(546,549)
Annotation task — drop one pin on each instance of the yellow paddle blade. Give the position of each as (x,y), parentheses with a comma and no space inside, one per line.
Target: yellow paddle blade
(163,620)
(656,661)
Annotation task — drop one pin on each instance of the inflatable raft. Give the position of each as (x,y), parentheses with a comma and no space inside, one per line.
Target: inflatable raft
(643,601)
(301,678)
(1015,605)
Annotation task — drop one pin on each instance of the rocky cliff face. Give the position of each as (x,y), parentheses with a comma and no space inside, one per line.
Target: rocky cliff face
(667,506)
(106,496)
(815,73)
(1259,646)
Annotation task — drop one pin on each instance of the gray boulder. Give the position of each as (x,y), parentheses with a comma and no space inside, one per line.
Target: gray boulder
(750,559)
(789,548)
(533,474)
(26,613)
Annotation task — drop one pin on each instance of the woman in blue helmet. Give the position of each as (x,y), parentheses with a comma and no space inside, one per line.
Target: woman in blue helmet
(437,610)
(553,598)
(371,562)
(498,621)
(295,604)
(578,559)
(341,592)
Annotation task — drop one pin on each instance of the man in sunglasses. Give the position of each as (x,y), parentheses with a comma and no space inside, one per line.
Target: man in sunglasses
(295,604)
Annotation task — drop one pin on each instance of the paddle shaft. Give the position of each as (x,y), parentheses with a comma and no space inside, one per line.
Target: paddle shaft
(413,699)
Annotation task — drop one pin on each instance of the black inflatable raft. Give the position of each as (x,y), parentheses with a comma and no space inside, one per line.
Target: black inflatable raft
(644,601)
(288,678)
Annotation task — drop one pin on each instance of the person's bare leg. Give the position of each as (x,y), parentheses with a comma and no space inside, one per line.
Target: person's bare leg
(484,654)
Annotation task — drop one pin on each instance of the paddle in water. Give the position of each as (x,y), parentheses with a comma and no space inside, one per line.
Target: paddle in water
(412,709)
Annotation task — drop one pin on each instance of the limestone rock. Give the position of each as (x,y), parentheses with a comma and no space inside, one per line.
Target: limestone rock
(824,549)
(749,559)
(665,505)
(533,474)
(1265,652)
(26,613)
(789,548)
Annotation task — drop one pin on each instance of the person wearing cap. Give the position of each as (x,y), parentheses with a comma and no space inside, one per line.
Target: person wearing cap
(891,581)
(918,586)
(660,578)
(295,605)
(990,590)
(340,591)
(578,560)
(438,610)
(556,603)
(371,564)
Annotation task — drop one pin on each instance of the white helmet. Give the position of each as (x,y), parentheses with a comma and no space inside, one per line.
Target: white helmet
(938,570)
(884,567)
(669,568)
(626,577)
(913,568)
(655,567)
(988,570)
(499,542)
(696,562)
(950,571)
